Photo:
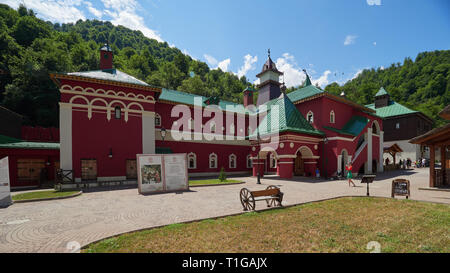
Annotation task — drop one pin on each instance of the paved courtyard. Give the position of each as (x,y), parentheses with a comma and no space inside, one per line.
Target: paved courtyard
(49,226)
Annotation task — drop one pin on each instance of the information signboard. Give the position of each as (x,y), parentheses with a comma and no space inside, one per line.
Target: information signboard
(162,173)
(400,187)
(5,191)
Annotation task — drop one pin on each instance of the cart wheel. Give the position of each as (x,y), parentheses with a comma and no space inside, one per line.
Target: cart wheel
(271,202)
(247,199)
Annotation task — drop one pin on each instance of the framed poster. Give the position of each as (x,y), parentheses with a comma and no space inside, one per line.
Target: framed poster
(150,173)
(175,172)
(162,173)
(5,190)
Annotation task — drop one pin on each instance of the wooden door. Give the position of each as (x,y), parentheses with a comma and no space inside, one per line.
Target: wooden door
(299,166)
(29,169)
(131,169)
(88,169)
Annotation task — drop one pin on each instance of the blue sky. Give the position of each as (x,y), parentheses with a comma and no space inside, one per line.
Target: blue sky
(332,39)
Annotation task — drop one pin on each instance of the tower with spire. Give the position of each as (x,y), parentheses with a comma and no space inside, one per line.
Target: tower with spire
(269,78)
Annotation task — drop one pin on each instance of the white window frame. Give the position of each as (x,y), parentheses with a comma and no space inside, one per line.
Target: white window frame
(249,159)
(192,155)
(310,113)
(232,158)
(213,155)
(158,117)
(332,117)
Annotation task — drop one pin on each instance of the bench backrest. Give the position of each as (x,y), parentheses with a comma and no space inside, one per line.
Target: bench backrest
(266,192)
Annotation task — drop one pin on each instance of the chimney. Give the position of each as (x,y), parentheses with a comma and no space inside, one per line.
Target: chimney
(106,58)
(248,96)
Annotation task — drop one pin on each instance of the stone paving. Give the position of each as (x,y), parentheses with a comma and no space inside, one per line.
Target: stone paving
(49,226)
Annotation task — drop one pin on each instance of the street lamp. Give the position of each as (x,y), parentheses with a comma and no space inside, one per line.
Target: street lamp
(324,163)
(258,179)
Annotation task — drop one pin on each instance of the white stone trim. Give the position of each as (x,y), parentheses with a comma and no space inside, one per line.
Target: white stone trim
(111,94)
(230,158)
(195,160)
(211,155)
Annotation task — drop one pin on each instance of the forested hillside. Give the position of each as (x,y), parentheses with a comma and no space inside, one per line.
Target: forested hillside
(422,84)
(31,48)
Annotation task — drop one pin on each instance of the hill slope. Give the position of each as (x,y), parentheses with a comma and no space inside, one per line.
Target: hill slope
(423,84)
(32,48)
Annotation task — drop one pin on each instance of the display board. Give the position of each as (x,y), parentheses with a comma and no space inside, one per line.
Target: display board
(5,191)
(400,187)
(162,173)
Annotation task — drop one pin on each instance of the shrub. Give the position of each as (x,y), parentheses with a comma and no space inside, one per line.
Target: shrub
(222,175)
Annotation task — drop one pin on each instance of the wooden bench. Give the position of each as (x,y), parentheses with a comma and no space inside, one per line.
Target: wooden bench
(272,195)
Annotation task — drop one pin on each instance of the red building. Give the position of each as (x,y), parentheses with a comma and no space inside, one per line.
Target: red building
(107,117)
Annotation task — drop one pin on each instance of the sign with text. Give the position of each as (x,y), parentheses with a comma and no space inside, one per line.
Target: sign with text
(400,187)
(162,173)
(5,191)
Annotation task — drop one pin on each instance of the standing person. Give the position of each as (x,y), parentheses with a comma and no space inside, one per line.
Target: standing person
(424,161)
(349,168)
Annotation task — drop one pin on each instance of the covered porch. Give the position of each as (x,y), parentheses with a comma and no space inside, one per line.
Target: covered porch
(438,138)
(392,150)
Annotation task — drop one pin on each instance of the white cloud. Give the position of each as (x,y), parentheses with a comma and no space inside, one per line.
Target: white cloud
(357,73)
(293,75)
(210,60)
(223,65)
(62,11)
(249,64)
(322,81)
(350,39)
(375,43)
(125,13)
(373,2)
(97,13)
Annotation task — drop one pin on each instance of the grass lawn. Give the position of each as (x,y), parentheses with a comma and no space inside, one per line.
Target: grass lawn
(212,182)
(339,225)
(42,194)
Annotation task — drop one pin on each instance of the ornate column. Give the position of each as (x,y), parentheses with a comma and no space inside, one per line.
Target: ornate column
(369,150)
(65,129)
(380,161)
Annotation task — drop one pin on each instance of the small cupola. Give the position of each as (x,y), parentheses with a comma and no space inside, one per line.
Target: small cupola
(106,59)
(381,98)
(248,96)
(269,78)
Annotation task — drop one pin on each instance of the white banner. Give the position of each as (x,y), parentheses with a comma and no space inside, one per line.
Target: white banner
(5,191)
(162,173)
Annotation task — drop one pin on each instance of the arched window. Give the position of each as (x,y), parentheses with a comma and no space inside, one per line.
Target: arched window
(332,116)
(213,161)
(117,112)
(157,120)
(192,161)
(375,128)
(232,161)
(249,161)
(310,117)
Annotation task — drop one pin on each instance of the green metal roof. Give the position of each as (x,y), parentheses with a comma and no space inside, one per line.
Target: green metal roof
(304,93)
(381,92)
(393,109)
(289,119)
(307,81)
(187,98)
(353,127)
(7,139)
(31,145)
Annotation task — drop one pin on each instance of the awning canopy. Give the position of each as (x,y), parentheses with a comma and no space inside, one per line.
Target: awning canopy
(393,149)
(436,137)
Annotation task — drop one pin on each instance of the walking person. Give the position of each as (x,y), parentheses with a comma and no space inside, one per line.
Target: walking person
(349,168)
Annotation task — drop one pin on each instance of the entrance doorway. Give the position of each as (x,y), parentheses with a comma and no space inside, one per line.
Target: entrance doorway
(88,169)
(299,168)
(30,169)
(131,169)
